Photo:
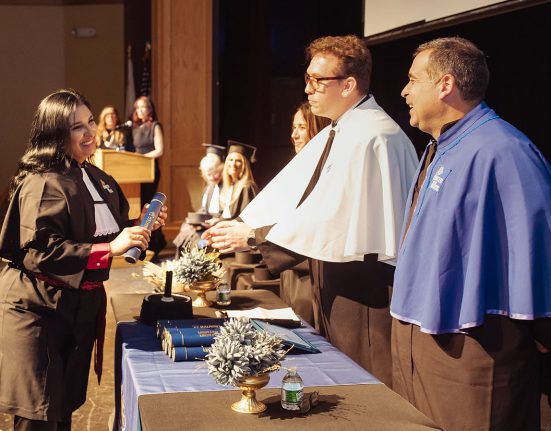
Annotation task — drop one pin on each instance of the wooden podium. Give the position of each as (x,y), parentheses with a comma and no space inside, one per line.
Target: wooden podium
(130,170)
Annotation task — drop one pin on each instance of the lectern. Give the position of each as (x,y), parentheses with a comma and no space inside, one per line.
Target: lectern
(130,170)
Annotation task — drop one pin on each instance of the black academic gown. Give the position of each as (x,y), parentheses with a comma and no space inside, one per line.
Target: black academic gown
(296,290)
(189,233)
(47,332)
(351,303)
(208,191)
(248,192)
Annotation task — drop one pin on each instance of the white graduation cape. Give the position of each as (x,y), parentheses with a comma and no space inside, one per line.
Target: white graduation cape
(357,206)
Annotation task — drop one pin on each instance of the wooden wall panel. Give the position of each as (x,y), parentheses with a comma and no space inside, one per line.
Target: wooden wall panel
(182,89)
(186,185)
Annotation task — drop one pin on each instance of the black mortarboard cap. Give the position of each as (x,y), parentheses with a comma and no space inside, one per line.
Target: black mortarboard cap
(238,147)
(219,150)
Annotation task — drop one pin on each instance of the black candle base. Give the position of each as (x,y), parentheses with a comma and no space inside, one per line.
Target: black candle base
(154,308)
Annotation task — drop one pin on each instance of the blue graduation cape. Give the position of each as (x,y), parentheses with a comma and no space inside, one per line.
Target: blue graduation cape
(480,239)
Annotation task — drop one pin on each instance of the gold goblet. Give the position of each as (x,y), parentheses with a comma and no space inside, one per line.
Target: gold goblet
(201,288)
(249,385)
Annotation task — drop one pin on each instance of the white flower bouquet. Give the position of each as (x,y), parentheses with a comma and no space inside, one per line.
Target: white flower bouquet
(240,351)
(196,264)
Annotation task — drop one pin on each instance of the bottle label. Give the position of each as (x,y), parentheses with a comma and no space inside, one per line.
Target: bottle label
(223,296)
(292,397)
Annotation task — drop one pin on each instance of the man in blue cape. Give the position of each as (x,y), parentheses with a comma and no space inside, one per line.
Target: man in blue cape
(472,289)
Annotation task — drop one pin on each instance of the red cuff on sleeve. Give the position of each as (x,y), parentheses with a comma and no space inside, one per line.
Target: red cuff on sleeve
(99,256)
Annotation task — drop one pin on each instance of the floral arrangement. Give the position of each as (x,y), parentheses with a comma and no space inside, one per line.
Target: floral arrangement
(196,264)
(239,350)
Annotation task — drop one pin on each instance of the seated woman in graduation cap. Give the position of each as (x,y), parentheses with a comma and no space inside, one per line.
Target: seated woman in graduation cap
(239,187)
(210,167)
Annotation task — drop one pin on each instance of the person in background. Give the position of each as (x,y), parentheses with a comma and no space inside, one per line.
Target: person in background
(340,203)
(295,284)
(472,289)
(238,187)
(305,126)
(210,167)
(111,135)
(65,222)
(147,138)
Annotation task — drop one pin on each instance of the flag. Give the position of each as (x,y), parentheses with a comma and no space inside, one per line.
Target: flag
(145,85)
(130,88)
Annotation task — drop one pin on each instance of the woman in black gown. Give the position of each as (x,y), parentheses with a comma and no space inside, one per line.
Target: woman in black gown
(66,220)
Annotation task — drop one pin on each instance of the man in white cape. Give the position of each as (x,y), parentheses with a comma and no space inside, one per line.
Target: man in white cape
(340,203)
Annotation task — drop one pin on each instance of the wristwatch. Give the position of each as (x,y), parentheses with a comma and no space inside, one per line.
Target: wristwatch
(251,239)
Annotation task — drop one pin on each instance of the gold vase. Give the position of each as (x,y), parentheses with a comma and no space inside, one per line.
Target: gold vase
(201,288)
(249,385)
(178,287)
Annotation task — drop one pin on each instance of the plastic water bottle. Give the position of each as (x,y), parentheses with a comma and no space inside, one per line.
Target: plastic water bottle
(223,294)
(292,390)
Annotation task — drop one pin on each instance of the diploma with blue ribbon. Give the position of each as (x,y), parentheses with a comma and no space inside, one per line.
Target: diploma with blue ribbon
(188,340)
(179,354)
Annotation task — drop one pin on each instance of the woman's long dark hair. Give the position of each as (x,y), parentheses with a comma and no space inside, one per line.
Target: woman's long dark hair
(50,134)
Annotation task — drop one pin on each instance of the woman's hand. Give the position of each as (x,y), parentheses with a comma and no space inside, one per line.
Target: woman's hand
(161,219)
(135,236)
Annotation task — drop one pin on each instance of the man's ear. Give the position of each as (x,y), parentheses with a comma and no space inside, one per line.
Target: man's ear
(447,85)
(350,84)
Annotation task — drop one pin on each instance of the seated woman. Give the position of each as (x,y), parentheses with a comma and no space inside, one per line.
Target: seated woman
(238,190)
(111,134)
(210,167)
(295,285)
(238,187)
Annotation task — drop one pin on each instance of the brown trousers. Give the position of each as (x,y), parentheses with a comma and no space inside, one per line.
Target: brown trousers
(486,379)
(351,302)
(296,291)
(23,424)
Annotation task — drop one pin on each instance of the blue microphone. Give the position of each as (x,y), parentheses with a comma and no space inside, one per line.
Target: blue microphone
(133,254)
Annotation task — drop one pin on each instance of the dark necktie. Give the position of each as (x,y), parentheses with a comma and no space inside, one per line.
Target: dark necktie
(431,151)
(319,167)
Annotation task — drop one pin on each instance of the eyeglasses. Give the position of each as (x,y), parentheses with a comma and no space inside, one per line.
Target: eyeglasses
(315,82)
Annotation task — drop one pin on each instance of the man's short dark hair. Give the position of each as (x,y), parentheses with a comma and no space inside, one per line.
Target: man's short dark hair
(462,59)
(352,54)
